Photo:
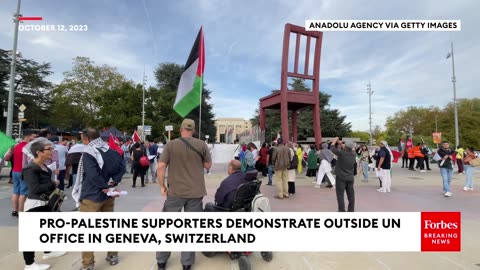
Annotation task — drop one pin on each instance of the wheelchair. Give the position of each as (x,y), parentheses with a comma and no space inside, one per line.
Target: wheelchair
(242,202)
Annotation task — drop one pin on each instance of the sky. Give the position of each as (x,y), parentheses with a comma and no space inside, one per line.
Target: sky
(243,42)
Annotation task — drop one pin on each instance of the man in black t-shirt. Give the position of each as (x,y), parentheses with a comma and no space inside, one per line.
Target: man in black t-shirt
(384,165)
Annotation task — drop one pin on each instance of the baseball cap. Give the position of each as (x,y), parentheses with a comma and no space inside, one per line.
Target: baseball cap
(54,139)
(188,124)
(349,144)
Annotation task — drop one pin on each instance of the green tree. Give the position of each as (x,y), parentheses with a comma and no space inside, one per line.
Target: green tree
(31,88)
(363,135)
(420,122)
(81,90)
(332,123)
(168,76)
(121,107)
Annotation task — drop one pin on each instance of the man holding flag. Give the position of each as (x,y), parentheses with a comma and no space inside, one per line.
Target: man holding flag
(186,184)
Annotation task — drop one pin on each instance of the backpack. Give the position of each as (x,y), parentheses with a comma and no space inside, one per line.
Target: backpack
(261,204)
(294,163)
(144,162)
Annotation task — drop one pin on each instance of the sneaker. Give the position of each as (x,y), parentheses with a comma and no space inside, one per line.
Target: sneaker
(36,266)
(14,214)
(448,194)
(91,267)
(112,259)
(53,254)
(317,186)
(471,189)
(423,171)
(465,188)
(381,190)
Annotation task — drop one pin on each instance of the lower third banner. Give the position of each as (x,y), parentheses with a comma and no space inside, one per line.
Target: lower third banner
(273,231)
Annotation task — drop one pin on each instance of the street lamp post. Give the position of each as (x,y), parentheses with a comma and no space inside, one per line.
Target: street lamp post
(11,94)
(370,93)
(436,125)
(143,105)
(457,142)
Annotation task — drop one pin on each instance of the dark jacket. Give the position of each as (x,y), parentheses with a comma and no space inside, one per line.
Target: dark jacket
(448,162)
(95,179)
(153,151)
(345,167)
(225,193)
(38,181)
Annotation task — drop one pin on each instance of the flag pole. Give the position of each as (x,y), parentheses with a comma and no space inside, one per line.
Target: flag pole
(143,105)
(202,52)
(200,117)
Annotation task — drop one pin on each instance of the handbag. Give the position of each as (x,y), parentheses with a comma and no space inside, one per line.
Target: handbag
(475,162)
(55,200)
(144,162)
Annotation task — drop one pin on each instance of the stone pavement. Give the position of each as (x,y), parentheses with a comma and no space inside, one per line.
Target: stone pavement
(411,191)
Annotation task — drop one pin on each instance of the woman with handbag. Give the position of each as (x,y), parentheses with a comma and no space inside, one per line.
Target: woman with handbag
(364,161)
(469,169)
(138,157)
(38,178)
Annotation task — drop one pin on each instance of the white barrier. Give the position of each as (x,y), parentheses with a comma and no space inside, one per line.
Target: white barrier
(223,153)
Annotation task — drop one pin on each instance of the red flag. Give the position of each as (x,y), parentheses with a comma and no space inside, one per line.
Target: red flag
(114,146)
(117,141)
(135,137)
(396,156)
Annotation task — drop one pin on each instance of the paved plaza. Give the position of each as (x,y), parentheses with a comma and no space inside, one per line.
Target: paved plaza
(411,192)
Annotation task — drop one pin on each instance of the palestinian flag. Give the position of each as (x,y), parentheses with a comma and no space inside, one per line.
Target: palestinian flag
(191,81)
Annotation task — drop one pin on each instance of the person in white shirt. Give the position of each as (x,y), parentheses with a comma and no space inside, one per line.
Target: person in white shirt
(62,157)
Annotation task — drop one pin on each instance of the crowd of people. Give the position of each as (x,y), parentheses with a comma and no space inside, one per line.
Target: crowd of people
(320,162)
(43,165)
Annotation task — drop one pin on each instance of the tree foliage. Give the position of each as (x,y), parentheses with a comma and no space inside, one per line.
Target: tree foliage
(31,88)
(168,76)
(331,121)
(76,100)
(420,122)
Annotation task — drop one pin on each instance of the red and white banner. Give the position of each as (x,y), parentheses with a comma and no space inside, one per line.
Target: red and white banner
(272,231)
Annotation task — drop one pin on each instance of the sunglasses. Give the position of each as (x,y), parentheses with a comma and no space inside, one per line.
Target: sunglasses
(47,149)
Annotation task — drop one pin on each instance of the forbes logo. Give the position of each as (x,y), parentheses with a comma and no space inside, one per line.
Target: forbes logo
(441,231)
(430,225)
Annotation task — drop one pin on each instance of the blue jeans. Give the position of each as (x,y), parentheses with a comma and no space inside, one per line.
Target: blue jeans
(365,170)
(447,178)
(270,173)
(469,173)
(19,186)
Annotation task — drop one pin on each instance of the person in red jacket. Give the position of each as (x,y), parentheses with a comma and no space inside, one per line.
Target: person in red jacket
(20,189)
(263,159)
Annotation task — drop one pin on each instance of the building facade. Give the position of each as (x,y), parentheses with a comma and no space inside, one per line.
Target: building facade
(231,129)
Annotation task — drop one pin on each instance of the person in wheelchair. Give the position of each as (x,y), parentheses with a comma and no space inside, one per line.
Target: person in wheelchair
(226,191)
